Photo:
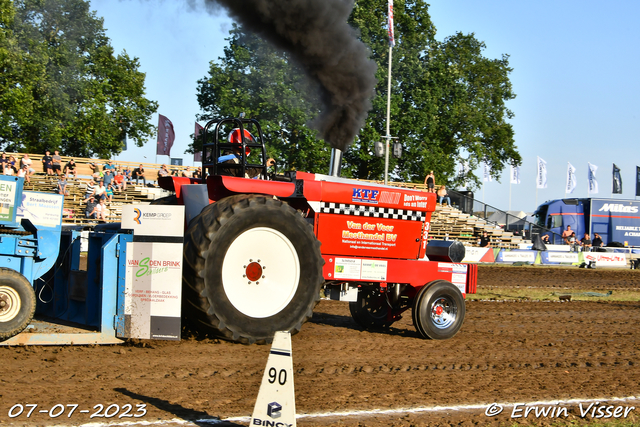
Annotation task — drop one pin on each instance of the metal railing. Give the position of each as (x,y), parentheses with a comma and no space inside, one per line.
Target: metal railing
(494,216)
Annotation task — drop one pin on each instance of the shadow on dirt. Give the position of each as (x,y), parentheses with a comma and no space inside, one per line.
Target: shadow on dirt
(347,322)
(198,418)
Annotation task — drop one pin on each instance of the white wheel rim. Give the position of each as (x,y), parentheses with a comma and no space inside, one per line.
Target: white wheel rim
(274,289)
(9,303)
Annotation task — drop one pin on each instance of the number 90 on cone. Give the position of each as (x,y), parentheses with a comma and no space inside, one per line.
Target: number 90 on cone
(276,402)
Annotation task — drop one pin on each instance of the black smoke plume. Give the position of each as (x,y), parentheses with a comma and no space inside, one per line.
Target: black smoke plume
(316,34)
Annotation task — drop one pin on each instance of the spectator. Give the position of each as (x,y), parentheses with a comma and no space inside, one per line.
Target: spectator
(187,172)
(9,166)
(26,161)
(198,173)
(127,174)
(571,240)
(430,182)
(108,177)
(109,166)
(567,233)
(597,241)
(101,191)
(47,162)
(585,242)
(120,182)
(163,171)
(91,188)
(70,168)
(138,174)
(485,240)
(545,239)
(56,164)
(3,162)
(62,185)
(101,211)
(24,173)
(93,167)
(89,209)
(109,192)
(443,195)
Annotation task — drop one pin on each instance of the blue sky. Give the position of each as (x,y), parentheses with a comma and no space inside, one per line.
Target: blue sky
(575,75)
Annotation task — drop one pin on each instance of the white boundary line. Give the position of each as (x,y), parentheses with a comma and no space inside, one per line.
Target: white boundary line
(177,421)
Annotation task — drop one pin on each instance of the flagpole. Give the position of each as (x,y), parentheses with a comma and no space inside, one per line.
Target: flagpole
(388,137)
(509,193)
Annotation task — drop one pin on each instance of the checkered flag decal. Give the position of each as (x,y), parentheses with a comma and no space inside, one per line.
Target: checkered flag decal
(371,211)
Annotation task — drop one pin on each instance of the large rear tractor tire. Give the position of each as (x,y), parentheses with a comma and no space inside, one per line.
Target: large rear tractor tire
(371,310)
(439,310)
(17,303)
(252,266)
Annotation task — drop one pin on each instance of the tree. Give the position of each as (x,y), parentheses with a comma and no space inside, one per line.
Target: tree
(266,85)
(447,103)
(64,88)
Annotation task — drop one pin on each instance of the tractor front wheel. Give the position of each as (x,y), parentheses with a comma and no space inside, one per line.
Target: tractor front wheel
(17,303)
(438,310)
(252,266)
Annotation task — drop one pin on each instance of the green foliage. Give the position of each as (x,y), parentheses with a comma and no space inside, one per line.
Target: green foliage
(447,99)
(62,86)
(264,83)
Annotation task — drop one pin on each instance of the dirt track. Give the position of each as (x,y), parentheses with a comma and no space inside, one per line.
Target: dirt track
(506,352)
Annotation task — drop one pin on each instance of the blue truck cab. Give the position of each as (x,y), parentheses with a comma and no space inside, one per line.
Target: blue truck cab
(614,220)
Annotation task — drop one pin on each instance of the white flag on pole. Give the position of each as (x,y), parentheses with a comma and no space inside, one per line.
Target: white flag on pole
(515,175)
(487,173)
(593,184)
(571,179)
(541,180)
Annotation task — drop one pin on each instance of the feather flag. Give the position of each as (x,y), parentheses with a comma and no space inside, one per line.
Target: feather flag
(593,183)
(571,179)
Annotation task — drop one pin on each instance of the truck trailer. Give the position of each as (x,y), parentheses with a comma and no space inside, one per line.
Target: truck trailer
(614,220)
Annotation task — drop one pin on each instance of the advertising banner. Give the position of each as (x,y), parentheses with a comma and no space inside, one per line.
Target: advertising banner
(517,256)
(153,282)
(41,208)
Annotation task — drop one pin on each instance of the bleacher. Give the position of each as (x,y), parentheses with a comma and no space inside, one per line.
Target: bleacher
(74,206)
(450,223)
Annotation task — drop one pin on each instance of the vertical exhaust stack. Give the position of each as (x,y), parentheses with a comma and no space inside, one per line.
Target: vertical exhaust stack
(335,163)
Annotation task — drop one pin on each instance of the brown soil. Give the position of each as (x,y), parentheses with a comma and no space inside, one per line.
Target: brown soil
(505,352)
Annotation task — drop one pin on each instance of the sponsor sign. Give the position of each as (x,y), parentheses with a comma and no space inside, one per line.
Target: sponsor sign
(154,220)
(153,290)
(41,208)
(7,200)
(560,257)
(476,254)
(517,256)
(606,259)
(365,269)
(365,195)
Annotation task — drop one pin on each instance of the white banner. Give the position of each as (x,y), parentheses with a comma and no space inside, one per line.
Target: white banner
(487,173)
(515,175)
(541,180)
(571,179)
(593,184)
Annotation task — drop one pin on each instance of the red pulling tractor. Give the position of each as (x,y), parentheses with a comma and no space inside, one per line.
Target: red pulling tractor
(260,248)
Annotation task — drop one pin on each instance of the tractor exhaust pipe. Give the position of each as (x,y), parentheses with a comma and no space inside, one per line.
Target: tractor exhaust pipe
(335,163)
